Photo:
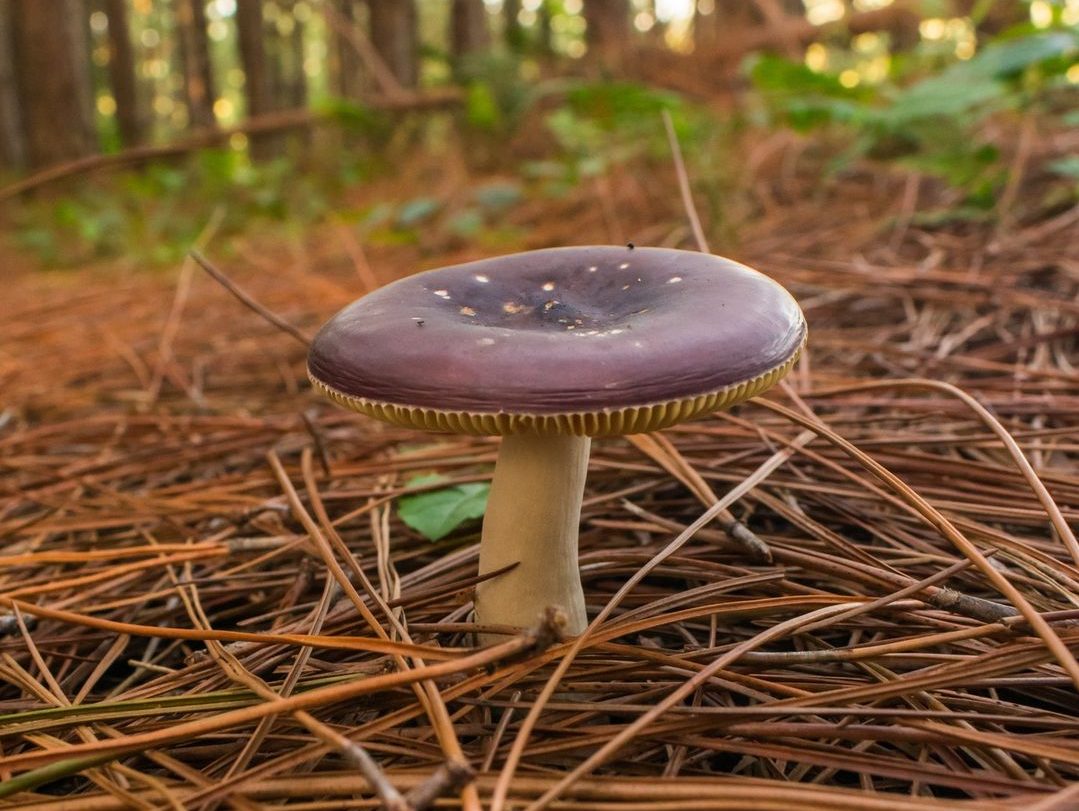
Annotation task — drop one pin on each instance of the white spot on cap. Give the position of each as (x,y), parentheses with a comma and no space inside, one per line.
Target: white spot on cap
(486,341)
(442,293)
(467,311)
(625,287)
(623,266)
(479,277)
(674,280)
(512,307)
(593,269)
(638,344)
(548,286)
(616,331)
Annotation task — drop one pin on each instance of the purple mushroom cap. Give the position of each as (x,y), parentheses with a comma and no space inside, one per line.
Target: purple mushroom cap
(513,343)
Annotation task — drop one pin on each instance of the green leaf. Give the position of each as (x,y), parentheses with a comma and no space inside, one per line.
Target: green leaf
(416,211)
(481,107)
(1000,60)
(467,223)
(939,96)
(1068,167)
(777,76)
(438,513)
(497,196)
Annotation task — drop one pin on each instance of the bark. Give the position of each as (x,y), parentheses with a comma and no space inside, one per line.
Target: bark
(52,76)
(347,68)
(726,22)
(284,61)
(12,146)
(513,33)
(122,74)
(297,82)
(545,35)
(468,28)
(195,55)
(608,32)
(251,35)
(394,33)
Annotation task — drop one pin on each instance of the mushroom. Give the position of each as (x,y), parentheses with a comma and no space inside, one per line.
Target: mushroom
(548,349)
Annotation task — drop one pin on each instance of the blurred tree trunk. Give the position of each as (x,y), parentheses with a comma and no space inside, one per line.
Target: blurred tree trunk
(513,31)
(297,86)
(545,36)
(994,17)
(252,39)
(12,145)
(249,29)
(52,76)
(122,73)
(394,33)
(727,21)
(468,28)
(347,71)
(284,60)
(195,55)
(608,32)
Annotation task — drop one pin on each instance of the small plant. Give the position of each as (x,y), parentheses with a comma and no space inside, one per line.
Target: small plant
(152,215)
(930,124)
(437,513)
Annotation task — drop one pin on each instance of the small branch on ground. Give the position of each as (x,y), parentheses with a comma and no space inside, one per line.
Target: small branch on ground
(448,778)
(248,301)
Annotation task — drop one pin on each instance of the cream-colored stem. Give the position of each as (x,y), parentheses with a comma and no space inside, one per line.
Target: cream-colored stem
(533,516)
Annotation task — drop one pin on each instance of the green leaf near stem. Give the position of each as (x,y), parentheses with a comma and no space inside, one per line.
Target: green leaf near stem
(437,513)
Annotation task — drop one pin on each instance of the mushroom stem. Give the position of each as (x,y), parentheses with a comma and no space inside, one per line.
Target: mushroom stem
(533,516)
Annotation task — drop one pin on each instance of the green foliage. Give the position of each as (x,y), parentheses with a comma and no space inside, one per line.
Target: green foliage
(152,216)
(929,123)
(437,513)
(606,123)
(417,211)
(497,93)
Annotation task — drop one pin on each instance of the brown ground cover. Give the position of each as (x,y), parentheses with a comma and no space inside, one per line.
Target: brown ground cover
(171,490)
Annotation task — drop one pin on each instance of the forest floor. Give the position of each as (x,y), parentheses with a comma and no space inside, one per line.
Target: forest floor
(170,483)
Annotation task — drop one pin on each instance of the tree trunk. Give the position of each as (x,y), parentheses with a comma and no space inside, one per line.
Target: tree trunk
(52,74)
(296,81)
(545,35)
(347,70)
(195,55)
(730,18)
(468,28)
(249,29)
(257,88)
(122,73)
(607,35)
(12,146)
(395,36)
(514,33)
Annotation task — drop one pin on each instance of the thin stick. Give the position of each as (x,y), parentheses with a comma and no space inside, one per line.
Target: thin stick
(683,184)
(248,301)
(179,301)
